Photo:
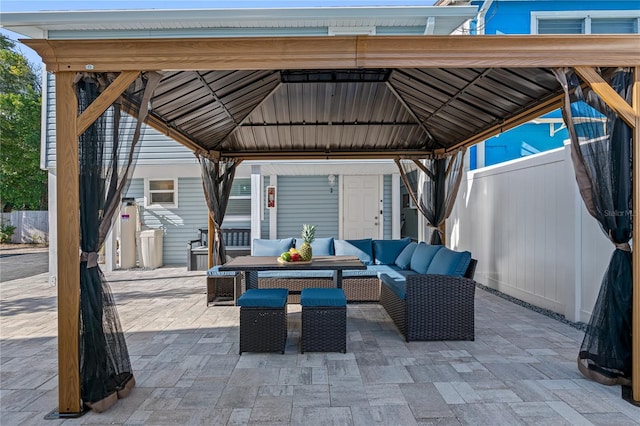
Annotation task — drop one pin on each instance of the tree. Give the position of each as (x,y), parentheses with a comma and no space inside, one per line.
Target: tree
(22,184)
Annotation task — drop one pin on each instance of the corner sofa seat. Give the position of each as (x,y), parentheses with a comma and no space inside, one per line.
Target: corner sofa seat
(438,302)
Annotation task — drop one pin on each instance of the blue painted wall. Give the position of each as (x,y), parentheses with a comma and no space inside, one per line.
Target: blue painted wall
(514,17)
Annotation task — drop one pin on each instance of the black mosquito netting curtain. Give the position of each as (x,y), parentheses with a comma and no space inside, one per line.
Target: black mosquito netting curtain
(433,186)
(601,150)
(217,178)
(107,152)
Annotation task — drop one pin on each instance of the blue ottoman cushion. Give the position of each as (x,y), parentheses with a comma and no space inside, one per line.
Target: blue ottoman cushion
(264,298)
(322,297)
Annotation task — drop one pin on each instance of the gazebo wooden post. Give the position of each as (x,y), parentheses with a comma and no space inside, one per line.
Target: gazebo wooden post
(631,116)
(210,239)
(635,327)
(68,215)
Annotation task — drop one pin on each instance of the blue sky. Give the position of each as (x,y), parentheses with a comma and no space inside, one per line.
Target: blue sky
(43,5)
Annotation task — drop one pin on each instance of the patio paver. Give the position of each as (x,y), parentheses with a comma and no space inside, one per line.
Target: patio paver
(521,368)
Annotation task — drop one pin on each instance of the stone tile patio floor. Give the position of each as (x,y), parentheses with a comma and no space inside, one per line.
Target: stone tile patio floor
(520,370)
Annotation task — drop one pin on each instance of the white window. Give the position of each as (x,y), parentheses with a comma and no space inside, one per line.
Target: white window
(239,205)
(161,193)
(586,22)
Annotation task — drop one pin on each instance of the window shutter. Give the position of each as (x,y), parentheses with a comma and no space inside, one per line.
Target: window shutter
(561,26)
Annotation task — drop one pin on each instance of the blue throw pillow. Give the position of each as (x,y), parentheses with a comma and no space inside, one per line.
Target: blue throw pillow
(422,257)
(271,247)
(403,261)
(361,248)
(385,252)
(449,262)
(320,246)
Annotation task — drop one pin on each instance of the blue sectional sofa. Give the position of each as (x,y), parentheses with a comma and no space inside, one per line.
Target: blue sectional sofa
(388,262)
(427,290)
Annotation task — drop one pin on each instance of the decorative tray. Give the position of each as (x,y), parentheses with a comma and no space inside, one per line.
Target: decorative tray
(299,262)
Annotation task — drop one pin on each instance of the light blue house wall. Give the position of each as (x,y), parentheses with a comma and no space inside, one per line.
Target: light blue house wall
(525,17)
(306,199)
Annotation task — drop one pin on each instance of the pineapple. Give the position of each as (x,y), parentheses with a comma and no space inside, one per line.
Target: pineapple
(308,235)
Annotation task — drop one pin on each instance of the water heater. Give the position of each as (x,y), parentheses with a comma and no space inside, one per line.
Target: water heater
(128,222)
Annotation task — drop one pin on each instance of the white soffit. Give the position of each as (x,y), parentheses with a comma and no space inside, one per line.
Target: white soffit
(230,22)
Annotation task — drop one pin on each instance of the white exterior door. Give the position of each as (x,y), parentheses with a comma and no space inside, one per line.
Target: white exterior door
(361,207)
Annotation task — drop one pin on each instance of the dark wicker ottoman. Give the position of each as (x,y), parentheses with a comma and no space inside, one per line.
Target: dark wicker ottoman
(324,320)
(263,320)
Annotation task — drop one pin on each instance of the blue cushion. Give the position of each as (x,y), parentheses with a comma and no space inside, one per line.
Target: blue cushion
(361,248)
(320,246)
(214,272)
(361,273)
(271,247)
(322,297)
(449,262)
(422,257)
(264,298)
(295,274)
(385,252)
(396,284)
(371,271)
(403,260)
(399,274)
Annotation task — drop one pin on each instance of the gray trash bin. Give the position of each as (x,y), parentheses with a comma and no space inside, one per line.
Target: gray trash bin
(151,248)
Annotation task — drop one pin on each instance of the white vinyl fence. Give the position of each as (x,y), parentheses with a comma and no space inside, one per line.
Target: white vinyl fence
(31,226)
(525,222)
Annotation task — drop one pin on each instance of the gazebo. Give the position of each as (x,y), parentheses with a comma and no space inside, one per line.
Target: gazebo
(317,97)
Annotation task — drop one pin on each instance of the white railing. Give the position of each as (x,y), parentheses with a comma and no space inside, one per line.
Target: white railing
(30,226)
(526,224)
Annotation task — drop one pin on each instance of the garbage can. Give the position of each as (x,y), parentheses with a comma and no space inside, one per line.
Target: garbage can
(151,248)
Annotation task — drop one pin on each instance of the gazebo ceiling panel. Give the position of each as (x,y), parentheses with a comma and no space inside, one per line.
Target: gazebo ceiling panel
(416,110)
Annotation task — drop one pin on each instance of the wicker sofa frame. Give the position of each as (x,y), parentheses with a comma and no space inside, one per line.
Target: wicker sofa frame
(436,307)
(356,289)
(224,290)
(295,285)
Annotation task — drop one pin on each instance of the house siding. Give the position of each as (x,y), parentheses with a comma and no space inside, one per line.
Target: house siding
(180,224)
(306,199)
(155,148)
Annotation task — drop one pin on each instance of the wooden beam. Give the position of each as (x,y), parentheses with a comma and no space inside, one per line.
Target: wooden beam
(67,182)
(480,51)
(635,327)
(105,100)
(608,95)
(241,53)
(524,117)
(324,155)
(254,53)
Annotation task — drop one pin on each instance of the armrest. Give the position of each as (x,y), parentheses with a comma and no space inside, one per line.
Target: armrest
(190,243)
(439,289)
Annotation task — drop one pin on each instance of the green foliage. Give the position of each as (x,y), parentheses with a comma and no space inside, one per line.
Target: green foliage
(6,232)
(22,184)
